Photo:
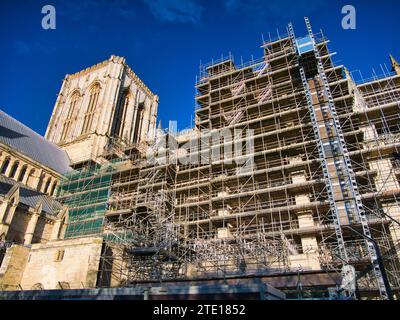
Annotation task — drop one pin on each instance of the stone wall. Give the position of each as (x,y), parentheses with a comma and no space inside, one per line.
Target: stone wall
(124,109)
(71,263)
(13,266)
(18,226)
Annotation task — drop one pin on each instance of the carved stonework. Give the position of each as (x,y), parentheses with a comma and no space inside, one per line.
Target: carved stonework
(83,131)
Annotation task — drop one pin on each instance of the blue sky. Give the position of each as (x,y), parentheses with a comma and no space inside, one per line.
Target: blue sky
(164,42)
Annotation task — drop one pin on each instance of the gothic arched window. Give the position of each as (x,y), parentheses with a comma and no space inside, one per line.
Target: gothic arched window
(139,122)
(121,114)
(22,174)
(14,169)
(70,117)
(47,185)
(31,178)
(40,183)
(5,165)
(93,99)
(53,188)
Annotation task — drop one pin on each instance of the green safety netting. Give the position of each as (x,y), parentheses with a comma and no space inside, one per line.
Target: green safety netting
(85,192)
(84,228)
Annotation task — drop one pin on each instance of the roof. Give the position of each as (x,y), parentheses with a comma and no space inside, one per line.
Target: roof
(30,197)
(26,141)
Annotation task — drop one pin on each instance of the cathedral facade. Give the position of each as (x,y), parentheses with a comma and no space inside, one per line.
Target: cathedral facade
(98,108)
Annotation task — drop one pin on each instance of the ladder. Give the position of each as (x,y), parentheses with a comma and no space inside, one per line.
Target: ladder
(289,246)
(359,209)
(234,118)
(336,146)
(237,88)
(260,69)
(265,93)
(235,115)
(323,157)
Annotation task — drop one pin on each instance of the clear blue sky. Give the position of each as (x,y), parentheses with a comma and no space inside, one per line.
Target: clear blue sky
(164,41)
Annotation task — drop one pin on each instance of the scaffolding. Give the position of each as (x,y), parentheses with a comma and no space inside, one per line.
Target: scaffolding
(354,110)
(324,179)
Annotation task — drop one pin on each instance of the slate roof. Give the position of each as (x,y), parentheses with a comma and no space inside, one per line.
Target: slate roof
(26,141)
(30,197)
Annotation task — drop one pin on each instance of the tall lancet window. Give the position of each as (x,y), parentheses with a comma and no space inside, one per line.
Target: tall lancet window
(90,111)
(69,120)
(138,123)
(121,115)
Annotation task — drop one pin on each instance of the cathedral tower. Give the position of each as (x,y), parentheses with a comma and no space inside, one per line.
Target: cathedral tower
(102,104)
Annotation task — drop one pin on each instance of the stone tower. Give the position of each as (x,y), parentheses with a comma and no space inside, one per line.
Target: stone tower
(101,104)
